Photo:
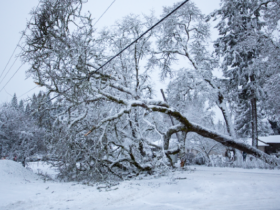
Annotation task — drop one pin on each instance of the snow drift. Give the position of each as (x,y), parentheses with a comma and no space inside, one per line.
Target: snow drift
(14,172)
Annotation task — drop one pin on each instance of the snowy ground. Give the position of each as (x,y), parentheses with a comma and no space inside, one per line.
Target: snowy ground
(202,188)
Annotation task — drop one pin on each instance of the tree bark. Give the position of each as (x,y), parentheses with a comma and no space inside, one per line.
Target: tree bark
(223,107)
(254,123)
(163,96)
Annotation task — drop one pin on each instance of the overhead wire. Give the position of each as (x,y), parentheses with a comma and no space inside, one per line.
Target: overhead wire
(151,28)
(27,92)
(8,92)
(8,71)
(11,77)
(22,65)
(103,13)
(13,55)
(91,73)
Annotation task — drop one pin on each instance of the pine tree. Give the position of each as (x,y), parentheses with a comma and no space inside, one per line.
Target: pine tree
(34,107)
(238,44)
(21,106)
(243,119)
(19,135)
(14,102)
(27,110)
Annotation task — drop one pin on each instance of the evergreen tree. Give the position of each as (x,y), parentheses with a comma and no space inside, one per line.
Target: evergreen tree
(44,113)
(21,106)
(14,102)
(272,102)
(243,120)
(27,110)
(34,107)
(19,135)
(240,31)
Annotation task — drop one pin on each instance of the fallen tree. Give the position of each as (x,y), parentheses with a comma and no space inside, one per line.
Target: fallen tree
(186,126)
(106,123)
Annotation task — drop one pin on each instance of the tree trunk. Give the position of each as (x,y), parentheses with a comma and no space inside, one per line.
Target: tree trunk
(163,96)
(227,118)
(230,128)
(254,123)
(187,126)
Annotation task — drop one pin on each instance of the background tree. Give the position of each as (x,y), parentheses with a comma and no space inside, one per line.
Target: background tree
(240,30)
(14,102)
(270,59)
(21,106)
(19,135)
(185,35)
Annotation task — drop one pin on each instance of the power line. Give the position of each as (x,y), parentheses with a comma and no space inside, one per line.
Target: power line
(8,70)
(15,51)
(11,56)
(21,65)
(103,13)
(92,26)
(8,92)
(11,77)
(27,92)
(59,95)
(140,37)
(91,73)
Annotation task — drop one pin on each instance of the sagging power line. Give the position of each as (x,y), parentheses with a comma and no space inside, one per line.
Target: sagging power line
(28,91)
(151,28)
(15,50)
(11,77)
(10,60)
(22,65)
(8,71)
(142,35)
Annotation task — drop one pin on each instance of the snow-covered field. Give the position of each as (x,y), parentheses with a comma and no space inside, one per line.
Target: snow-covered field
(200,188)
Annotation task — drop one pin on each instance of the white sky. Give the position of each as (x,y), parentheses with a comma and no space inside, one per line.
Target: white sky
(15,13)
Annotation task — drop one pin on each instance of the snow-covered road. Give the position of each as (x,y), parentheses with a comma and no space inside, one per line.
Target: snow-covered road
(203,188)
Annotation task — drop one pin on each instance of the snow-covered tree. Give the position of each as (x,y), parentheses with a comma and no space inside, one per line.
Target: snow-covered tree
(272,102)
(27,109)
(240,30)
(19,135)
(14,102)
(108,124)
(21,106)
(185,35)
(243,119)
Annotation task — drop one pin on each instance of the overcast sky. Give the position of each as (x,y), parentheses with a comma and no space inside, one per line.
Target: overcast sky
(15,13)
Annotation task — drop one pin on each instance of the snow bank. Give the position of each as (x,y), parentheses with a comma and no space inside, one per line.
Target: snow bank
(16,183)
(14,172)
(198,188)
